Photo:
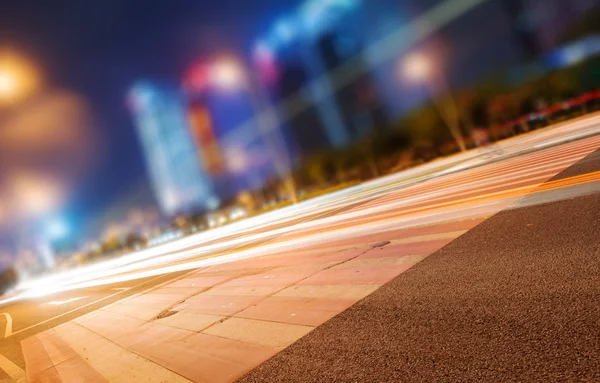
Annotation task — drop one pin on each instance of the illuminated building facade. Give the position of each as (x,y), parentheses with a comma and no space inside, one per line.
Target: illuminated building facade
(539,24)
(308,47)
(346,84)
(358,102)
(173,161)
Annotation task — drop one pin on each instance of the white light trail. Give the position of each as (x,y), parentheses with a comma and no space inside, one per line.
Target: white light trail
(184,253)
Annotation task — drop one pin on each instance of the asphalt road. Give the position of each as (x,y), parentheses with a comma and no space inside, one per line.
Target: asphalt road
(513,300)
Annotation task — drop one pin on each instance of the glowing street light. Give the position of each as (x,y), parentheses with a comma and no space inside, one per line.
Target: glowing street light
(417,67)
(18,79)
(231,74)
(228,74)
(57,229)
(35,195)
(420,68)
(238,161)
(8,83)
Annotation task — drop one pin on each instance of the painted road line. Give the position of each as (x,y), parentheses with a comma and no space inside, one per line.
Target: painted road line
(8,328)
(80,307)
(12,370)
(59,303)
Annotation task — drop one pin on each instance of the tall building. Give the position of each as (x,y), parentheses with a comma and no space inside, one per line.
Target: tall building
(358,102)
(173,161)
(306,128)
(538,25)
(308,51)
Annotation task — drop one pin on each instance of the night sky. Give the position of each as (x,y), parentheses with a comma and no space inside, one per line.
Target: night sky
(97,49)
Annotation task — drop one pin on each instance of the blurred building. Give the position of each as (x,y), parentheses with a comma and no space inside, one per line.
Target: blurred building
(310,49)
(306,129)
(174,163)
(538,25)
(203,132)
(358,102)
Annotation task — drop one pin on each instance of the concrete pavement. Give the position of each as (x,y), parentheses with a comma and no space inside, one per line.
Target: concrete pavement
(23,319)
(216,323)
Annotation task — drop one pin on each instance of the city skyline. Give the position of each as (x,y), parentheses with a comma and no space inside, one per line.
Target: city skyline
(93,194)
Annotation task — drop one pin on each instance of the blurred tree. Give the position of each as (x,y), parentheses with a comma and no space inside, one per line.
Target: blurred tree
(390,143)
(425,128)
(133,241)
(8,279)
(246,199)
(321,168)
(556,85)
(181,221)
(111,244)
(479,116)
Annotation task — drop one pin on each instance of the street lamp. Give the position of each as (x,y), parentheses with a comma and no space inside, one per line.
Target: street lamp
(17,78)
(227,74)
(230,73)
(8,83)
(419,68)
(36,195)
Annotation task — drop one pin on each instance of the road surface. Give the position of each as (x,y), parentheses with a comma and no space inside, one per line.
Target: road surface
(211,307)
(513,300)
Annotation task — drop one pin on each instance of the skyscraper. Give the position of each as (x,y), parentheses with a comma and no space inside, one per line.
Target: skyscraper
(325,104)
(173,161)
(358,102)
(539,24)
(306,127)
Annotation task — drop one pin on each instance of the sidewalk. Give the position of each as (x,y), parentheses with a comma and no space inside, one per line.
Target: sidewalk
(218,323)
(514,299)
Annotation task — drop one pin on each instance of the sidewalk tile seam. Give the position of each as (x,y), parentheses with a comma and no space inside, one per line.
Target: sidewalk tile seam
(41,378)
(198,293)
(278,348)
(277,291)
(126,348)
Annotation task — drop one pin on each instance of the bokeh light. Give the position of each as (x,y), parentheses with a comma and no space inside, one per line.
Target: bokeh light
(57,229)
(35,194)
(18,78)
(416,67)
(227,73)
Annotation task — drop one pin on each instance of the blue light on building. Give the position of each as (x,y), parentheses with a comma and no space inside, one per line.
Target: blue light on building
(317,50)
(174,166)
(573,53)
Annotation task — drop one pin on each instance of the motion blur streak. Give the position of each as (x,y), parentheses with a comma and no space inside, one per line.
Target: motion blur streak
(455,210)
(459,187)
(385,49)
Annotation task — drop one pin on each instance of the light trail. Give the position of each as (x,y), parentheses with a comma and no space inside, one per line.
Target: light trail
(387,48)
(432,214)
(430,182)
(439,214)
